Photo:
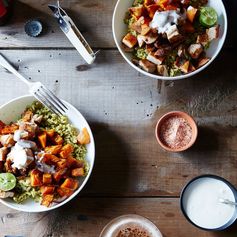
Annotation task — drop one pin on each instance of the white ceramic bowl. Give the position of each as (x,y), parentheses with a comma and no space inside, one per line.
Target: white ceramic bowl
(120,29)
(11,111)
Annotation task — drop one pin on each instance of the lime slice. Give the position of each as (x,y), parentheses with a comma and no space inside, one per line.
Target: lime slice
(208,16)
(7,181)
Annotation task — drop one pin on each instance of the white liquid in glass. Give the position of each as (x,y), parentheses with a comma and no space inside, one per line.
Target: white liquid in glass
(202,205)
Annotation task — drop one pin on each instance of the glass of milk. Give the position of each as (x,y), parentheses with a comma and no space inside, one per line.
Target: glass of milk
(201,205)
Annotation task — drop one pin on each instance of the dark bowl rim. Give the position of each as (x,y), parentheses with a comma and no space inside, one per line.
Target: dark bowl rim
(231,186)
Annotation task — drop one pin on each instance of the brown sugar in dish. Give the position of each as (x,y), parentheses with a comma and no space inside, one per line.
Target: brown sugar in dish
(133,232)
(176,132)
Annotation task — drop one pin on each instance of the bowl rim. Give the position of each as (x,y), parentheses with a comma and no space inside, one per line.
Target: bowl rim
(84,181)
(183,115)
(231,186)
(180,77)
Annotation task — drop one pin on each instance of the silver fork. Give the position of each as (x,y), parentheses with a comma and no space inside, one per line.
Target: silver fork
(38,90)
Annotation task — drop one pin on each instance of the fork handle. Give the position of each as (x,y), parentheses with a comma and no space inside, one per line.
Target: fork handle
(11,69)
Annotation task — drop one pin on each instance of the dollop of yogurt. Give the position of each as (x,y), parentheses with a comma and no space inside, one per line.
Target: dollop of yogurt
(18,156)
(164,19)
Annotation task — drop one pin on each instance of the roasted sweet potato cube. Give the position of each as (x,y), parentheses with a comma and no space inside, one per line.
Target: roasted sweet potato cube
(54,150)
(129,40)
(151,9)
(62,164)
(66,150)
(9,129)
(47,178)
(57,139)
(83,137)
(59,174)
(50,159)
(74,163)
(47,190)
(78,172)
(50,133)
(42,138)
(70,183)
(35,178)
(64,192)
(47,200)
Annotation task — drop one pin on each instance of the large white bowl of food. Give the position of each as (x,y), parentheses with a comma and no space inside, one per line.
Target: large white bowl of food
(45,159)
(169,39)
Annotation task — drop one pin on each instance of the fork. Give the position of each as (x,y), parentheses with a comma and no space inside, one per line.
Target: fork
(38,90)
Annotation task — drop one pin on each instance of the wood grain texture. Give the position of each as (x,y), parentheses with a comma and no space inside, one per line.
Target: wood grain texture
(123,107)
(93,18)
(86,217)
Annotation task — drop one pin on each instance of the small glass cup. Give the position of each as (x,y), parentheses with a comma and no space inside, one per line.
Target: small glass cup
(130,224)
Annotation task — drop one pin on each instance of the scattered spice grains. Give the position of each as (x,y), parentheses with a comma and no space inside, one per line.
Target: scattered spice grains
(176,132)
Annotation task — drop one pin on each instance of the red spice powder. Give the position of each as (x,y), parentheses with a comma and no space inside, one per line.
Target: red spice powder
(176,132)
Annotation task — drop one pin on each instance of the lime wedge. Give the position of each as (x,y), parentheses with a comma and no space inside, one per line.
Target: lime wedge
(208,16)
(7,181)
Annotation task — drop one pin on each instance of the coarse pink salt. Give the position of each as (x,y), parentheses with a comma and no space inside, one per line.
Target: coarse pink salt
(176,132)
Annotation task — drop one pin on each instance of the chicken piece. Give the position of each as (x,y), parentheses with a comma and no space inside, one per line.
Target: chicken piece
(31,128)
(203,39)
(140,40)
(213,32)
(191,13)
(147,66)
(184,67)
(7,140)
(145,28)
(162,70)
(173,34)
(203,61)
(3,153)
(191,68)
(154,59)
(195,50)
(137,26)
(149,38)
(6,194)
(37,118)
(27,116)
(27,144)
(163,51)
(129,40)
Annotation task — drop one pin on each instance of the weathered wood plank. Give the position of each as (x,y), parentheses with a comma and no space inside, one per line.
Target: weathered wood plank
(123,106)
(86,217)
(93,17)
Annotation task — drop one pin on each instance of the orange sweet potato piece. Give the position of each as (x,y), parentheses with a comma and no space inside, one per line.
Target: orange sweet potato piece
(191,13)
(9,129)
(50,159)
(47,190)
(50,133)
(74,163)
(78,172)
(57,139)
(27,116)
(59,174)
(53,150)
(64,192)
(83,137)
(47,200)
(70,183)
(35,178)
(66,150)
(47,178)
(62,164)
(42,138)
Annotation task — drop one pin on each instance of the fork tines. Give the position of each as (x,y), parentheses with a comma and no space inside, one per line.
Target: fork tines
(48,98)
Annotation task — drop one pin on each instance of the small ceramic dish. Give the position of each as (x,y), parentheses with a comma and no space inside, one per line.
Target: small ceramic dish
(11,111)
(189,120)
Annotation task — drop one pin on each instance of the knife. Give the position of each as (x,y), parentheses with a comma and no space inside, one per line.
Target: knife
(73,34)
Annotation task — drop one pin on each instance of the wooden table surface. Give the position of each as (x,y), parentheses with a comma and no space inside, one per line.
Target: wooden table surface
(132,174)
